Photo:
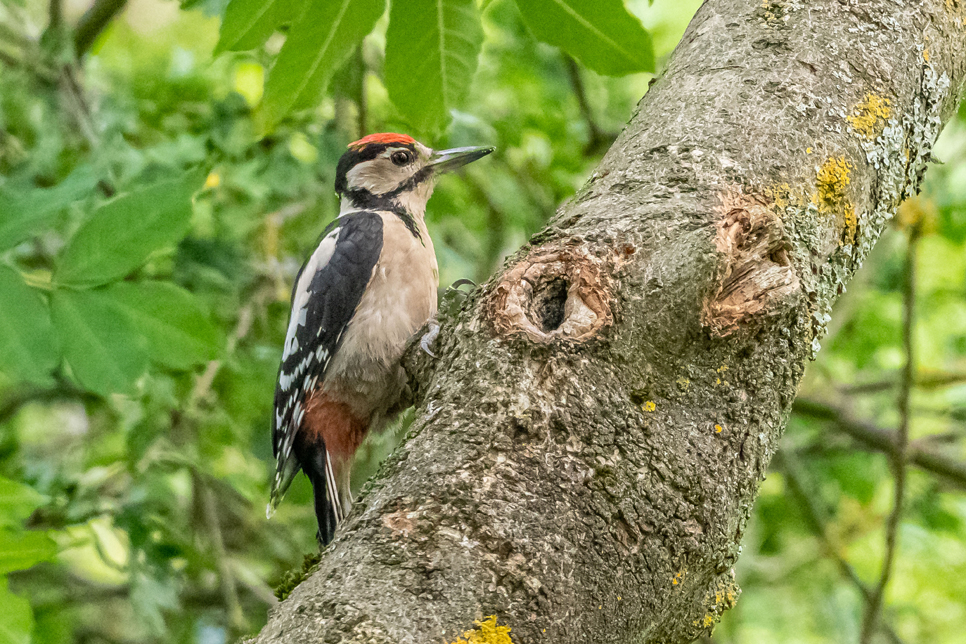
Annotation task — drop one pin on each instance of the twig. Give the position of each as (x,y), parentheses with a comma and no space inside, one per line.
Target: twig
(599,140)
(13,36)
(56,16)
(93,22)
(928,380)
(204,381)
(874,605)
(495,229)
(229,588)
(883,440)
(209,506)
(817,521)
(76,105)
(24,55)
(258,588)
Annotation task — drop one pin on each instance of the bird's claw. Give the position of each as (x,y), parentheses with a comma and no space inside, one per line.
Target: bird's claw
(429,337)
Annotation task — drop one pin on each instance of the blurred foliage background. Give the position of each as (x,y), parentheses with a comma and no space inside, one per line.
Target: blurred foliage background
(153,214)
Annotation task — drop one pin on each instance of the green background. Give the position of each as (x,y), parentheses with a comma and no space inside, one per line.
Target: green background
(157,199)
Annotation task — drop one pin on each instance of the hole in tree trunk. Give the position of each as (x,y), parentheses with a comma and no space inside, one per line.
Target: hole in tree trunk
(559,296)
(549,302)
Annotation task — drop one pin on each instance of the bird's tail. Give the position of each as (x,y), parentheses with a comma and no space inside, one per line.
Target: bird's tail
(328,506)
(285,470)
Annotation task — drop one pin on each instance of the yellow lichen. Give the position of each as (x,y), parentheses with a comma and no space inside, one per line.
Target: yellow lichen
(678,578)
(831,197)
(851,227)
(718,429)
(780,194)
(683,383)
(868,117)
(649,406)
(486,632)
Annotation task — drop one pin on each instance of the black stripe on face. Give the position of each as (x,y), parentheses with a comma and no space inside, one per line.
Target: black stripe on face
(365,200)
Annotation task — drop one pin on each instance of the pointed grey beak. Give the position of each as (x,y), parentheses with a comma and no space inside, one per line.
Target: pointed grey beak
(449,160)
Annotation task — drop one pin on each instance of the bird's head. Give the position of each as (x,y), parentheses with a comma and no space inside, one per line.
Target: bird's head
(394,171)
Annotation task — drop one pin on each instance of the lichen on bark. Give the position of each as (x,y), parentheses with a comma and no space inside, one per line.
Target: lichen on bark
(597,490)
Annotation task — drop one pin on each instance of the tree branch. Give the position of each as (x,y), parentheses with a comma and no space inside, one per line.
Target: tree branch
(882,440)
(56,15)
(229,589)
(899,456)
(599,140)
(93,22)
(495,228)
(817,522)
(923,380)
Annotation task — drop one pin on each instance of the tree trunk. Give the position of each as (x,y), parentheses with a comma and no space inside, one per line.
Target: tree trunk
(589,443)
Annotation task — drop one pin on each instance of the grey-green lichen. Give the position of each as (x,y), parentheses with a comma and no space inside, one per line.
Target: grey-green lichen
(900,153)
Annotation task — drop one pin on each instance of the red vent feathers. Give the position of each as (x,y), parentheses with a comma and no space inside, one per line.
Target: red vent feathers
(385,138)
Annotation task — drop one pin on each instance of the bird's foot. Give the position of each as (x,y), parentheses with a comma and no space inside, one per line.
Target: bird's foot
(429,337)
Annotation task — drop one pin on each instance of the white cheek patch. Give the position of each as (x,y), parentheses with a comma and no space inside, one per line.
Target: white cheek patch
(377,176)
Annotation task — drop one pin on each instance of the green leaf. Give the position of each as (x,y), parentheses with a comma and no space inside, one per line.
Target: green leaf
(103,348)
(316,46)
(28,345)
(23,214)
(601,34)
(17,502)
(122,233)
(16,618)
(21,550)
(174,322)
(249,23)
(432,47)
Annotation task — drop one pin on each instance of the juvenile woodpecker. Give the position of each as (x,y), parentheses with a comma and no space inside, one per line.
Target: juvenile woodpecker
(367,288)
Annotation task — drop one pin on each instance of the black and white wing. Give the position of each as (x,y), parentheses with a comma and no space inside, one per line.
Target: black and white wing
(325,296)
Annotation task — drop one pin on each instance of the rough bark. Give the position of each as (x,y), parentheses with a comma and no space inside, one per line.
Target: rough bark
(589,443)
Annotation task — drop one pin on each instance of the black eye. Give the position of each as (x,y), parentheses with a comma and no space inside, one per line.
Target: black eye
(402,157)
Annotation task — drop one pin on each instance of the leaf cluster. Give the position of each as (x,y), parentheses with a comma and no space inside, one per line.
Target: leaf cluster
(432,46)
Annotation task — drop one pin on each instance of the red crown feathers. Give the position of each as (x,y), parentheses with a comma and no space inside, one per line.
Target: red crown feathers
(385,138)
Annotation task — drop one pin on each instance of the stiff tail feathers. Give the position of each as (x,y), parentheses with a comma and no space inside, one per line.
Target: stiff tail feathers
(329,510)
(285,470)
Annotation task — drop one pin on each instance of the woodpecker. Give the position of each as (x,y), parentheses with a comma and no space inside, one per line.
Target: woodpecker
(367,288)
